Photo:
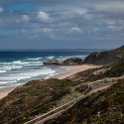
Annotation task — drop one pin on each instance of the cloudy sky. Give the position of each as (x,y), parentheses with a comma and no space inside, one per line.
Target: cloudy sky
(42,24)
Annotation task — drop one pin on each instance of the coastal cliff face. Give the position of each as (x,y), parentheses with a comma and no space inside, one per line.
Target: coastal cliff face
(106,57)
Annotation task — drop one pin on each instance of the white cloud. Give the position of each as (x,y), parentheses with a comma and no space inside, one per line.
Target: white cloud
(110,22)
(72,13)
(94,30)
(80,11)
(112,27)
(1,9)
(115,28)
(113,6)
(43,16)
(47,30)
(75,29)
(88,16)
(25,18)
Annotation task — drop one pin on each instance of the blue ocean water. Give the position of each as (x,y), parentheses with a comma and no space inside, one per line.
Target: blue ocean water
(17,67)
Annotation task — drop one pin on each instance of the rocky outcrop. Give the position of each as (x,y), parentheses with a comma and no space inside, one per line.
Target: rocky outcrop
(69,61)
(73,61)
(107,57)
(53,62)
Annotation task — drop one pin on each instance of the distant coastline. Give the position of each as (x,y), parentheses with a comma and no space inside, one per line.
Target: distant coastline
(56,50)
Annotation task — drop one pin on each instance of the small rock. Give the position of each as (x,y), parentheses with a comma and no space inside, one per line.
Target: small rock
(52,62)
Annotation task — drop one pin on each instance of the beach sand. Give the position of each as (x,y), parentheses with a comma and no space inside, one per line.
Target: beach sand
(75,69)
(4,91)
(71,70)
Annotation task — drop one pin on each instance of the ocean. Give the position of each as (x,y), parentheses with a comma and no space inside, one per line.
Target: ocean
(18,67)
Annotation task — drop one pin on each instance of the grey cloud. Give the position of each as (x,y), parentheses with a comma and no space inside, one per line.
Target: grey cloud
(1,9)
(25,18)
(66,21)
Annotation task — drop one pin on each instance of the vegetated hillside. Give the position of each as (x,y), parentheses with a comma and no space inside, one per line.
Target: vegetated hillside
(106,107)
(35,97)
(113,70)
(106,57)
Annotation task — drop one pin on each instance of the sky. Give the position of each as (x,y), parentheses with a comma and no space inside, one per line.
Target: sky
(58,24)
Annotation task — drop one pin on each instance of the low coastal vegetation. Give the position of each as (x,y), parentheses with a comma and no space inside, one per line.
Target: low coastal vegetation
(39,96)
(105,107)
(113,70)
(34,98)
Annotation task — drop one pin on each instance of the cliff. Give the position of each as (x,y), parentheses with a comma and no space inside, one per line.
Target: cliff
(106,57)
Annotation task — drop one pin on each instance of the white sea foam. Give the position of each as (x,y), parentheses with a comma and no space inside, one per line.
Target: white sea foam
(6,68)
(50,57)
(7,82)
(21,71)
(20,63)
(2,71)
(61,58)
(17,77)
(34,63)
(34,59)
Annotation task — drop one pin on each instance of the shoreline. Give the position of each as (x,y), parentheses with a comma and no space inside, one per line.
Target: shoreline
(74,69)
(5,91)
(71,71)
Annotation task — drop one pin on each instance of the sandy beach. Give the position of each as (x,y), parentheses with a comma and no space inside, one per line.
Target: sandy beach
(4,91)
(71,70)
(75,69)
